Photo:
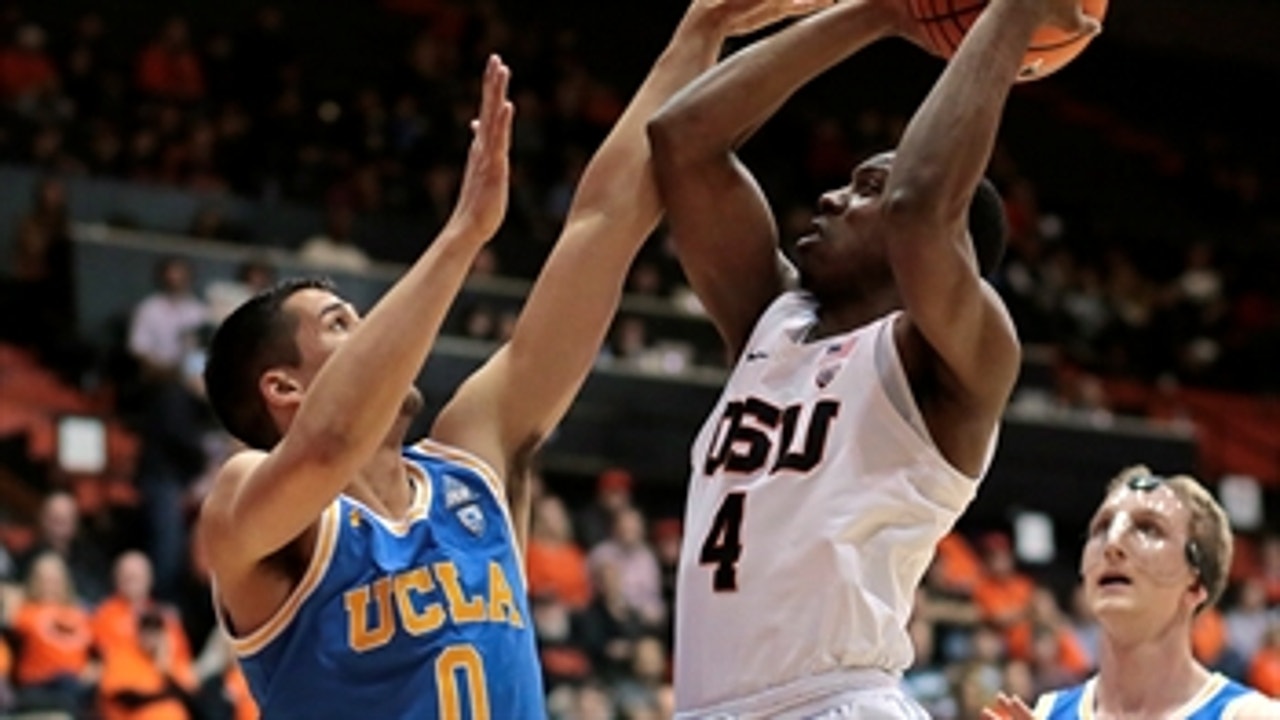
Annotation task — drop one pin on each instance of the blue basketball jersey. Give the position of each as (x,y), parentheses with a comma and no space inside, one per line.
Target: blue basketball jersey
(425,619)
(1214,702)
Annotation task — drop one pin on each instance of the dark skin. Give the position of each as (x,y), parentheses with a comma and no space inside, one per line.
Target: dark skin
(894,238)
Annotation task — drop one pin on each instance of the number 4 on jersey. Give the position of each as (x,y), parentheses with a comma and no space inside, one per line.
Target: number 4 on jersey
(723,546)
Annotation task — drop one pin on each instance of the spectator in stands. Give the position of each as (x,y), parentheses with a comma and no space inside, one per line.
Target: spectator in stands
(562,644)
(593,702)
(557,567)
(170,68)
(42,279)
(594,522)
(638,693)
(59,533)
(146,680)
(115,621)
(6,670)
(1264,667)
(225,295)
(1004,594)
(53,668)
(926,680)
(667,534)
(1085,625)
(335,249)
(628,557)
(26,70)
(1057,657)
(165,339)
(611,626)
(1248,618)
(224,691)
(165,324)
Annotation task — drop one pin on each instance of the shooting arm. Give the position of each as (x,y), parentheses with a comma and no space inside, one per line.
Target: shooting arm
(939,163)
(723,229)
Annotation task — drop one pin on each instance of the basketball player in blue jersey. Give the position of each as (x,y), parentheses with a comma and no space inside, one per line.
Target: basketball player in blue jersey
(362,579)
(1158,552)
(864,407)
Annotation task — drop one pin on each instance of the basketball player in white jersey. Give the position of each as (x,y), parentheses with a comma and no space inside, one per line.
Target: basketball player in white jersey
(1158,553)
(864,407)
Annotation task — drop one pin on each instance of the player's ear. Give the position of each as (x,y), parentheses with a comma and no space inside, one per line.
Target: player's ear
(1198,592)
(279,387)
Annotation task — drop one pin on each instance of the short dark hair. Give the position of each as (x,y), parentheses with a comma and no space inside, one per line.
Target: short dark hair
(255,337)
(988,226)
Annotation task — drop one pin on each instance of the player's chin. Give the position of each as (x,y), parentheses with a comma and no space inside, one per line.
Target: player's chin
(413,403)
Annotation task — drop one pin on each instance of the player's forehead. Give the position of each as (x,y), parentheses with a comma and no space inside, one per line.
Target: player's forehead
(878,163)
(1157,499)
(311,305)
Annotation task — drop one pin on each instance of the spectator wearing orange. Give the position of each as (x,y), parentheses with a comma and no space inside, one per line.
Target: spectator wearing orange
(115,622)
(1264,668)
(146,682)
(959,569)
(52,667)
(169,68)
(1058,657)
(1003,595)
(557,565)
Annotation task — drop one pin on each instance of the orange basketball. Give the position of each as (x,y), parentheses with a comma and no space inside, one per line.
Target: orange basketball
(946,21)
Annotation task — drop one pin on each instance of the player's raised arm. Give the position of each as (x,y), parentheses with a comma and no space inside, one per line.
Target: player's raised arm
(723,229)
(526,388)
(938,165)
(263,499)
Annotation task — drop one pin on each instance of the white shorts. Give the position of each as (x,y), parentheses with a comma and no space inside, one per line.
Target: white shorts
(841,695)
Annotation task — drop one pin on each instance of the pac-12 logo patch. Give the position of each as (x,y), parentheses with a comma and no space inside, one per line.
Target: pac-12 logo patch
(471,517)
(465,505)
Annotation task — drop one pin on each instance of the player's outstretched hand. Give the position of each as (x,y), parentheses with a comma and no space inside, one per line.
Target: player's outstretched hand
(482,199)
(1008,707)
(1069,16)
(747,16)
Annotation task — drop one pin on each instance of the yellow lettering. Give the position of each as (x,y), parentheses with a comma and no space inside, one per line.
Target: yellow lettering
(464,659)
(461,608)
(359,636)
(502,602)
(417,623)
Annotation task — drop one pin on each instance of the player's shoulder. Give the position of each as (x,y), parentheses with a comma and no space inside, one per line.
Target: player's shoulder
(1252,706)
(216,506)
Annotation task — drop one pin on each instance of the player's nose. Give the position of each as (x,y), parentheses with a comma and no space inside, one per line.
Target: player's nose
(832,202)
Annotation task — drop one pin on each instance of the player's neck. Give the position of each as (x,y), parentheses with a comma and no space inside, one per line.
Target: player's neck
(1150,678)
(383,484)
(836,316)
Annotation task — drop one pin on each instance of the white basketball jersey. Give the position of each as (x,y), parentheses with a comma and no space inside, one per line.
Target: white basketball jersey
(815,504)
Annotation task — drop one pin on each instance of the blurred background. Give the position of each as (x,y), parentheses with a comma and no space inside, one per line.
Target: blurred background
(160,163)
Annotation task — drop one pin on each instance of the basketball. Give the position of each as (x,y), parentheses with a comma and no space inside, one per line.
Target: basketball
(946,21)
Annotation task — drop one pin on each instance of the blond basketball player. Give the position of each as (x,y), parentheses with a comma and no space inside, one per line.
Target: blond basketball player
(1158,553)
(864,407)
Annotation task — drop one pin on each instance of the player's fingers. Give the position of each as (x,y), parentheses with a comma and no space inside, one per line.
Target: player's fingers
(496,75)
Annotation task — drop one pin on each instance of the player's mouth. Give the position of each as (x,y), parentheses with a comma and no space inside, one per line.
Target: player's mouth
(813,236)
(1114,579)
